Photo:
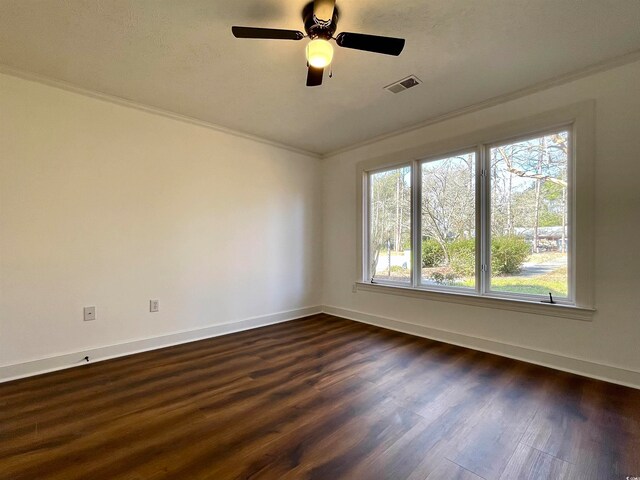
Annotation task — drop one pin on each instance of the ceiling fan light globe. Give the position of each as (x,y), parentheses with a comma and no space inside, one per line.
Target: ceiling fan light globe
(319,53)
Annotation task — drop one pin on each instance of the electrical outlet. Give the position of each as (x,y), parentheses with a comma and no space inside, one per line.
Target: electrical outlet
(354,288)
(89,313)
(154,305)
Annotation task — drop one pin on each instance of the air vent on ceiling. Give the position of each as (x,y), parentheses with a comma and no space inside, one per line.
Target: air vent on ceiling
(404,84)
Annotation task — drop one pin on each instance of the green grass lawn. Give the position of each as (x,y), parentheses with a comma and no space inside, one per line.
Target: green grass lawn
(546,257)
(554,282)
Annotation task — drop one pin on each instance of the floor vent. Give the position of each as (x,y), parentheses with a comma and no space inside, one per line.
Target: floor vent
(404,84)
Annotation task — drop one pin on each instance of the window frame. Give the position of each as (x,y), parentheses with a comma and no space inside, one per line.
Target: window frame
(367,216)
(486,232)
(417,222)
(579,121)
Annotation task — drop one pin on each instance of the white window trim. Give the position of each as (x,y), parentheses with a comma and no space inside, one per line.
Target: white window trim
(580,120)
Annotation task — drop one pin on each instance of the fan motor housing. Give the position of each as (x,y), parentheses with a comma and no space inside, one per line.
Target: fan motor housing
(316,28)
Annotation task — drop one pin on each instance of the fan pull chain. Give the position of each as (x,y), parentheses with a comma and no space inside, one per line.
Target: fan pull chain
(331,71)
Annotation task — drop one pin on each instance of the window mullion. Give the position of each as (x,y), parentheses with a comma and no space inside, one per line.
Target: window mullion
(484,220)
(366,227)
(416,223)
(478,222)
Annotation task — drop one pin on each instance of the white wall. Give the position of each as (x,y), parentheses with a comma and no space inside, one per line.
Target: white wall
(611,339)
(111,206)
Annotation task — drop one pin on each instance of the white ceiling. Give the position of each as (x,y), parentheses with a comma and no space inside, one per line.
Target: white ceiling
(180,56)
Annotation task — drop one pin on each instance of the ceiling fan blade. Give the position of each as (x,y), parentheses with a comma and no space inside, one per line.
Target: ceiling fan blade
(371,43)
(323,10)
(266,33)
(314,76)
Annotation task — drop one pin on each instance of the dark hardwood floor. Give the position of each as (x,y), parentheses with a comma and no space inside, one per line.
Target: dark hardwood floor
(320,398)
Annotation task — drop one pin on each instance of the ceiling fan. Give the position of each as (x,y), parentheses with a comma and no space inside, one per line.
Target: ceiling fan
(320,22)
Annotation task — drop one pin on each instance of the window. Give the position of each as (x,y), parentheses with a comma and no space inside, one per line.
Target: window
(390,225)
(527,237)
(448,221)
(498,220)
(530,216)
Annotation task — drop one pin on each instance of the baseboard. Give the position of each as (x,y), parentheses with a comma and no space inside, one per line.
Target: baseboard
(608,373)
(75,359)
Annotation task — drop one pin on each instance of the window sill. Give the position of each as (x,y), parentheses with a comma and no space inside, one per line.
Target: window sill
(537,308)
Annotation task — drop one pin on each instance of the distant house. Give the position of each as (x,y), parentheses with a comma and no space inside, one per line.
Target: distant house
(548,237)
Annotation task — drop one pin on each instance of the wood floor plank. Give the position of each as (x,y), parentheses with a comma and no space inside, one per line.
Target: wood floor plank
(333,455)
(413,456)
(490,436)
(331,408)
(590,424)
(318,398)
(447,470)
(527,463)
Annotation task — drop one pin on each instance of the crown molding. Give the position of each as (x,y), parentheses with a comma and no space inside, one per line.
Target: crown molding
(494,101)
(52,82)
(491,102)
